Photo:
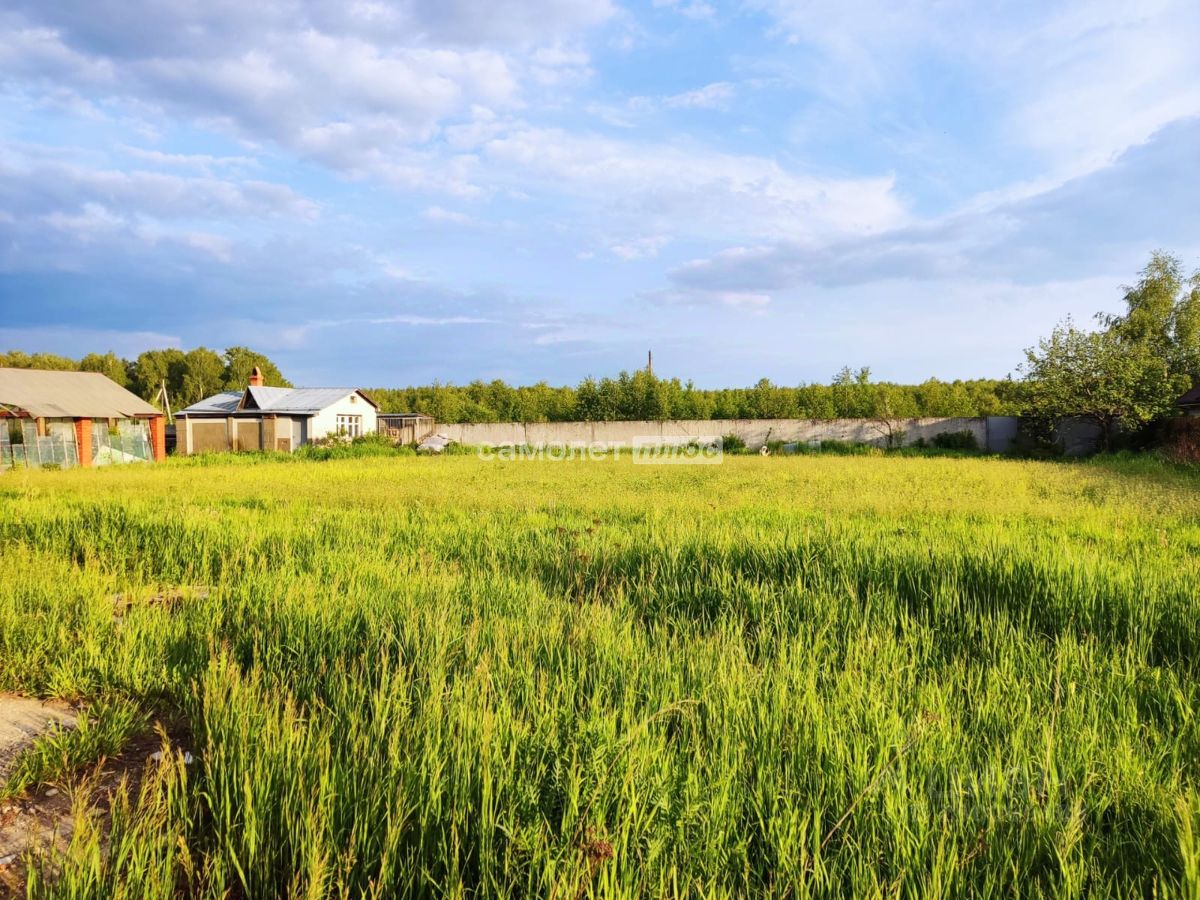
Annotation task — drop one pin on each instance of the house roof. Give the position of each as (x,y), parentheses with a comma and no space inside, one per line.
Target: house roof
(1191,398)
(69,395)
(281,401)
(225,404)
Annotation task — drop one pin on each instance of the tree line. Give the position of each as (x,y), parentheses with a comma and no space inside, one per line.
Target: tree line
(641,395)
(189,375)
(1131,369)
(195,374)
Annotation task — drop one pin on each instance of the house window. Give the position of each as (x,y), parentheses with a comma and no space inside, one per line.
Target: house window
(349,425)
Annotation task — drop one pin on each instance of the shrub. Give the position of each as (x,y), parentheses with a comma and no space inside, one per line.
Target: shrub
(732,443)
(956,440)
(1182,439)
(339,447)
(846,448)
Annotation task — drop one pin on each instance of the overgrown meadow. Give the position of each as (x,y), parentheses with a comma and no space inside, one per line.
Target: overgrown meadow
(809,676)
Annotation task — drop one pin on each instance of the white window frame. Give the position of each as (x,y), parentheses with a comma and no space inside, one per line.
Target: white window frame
(349,425)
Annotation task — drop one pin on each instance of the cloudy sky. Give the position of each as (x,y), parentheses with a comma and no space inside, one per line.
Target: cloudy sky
(388,192)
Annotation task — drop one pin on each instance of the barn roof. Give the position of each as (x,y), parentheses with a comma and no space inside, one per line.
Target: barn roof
(1191,398)
(283,401)
(69,395)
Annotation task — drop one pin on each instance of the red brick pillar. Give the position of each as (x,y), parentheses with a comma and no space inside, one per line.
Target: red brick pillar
(83,441)
(158,438)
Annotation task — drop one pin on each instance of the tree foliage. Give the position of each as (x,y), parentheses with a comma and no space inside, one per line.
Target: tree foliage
(107,364)
(1096,376)
(642,395)
(240,362)
(1131,371)
(1162,316)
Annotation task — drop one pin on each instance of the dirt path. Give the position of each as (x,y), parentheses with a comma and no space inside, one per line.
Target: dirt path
(22,720)
(32,820)
(43,818)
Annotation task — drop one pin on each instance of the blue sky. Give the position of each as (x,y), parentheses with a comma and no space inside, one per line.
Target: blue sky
(389,192)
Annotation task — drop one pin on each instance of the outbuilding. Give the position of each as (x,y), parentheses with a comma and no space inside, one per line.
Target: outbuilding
(406,428)
(272,418)
(74,419)
(1190,402)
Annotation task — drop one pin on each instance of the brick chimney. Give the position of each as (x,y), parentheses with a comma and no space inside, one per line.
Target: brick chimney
(256,378)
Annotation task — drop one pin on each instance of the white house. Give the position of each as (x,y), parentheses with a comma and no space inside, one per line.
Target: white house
(271,418)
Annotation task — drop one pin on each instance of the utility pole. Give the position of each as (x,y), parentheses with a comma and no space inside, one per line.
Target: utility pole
(165,401)
(650,362)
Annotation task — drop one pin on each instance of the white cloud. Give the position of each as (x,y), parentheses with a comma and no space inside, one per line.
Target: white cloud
(559,65)
(142,28)
(1092,223)
(1079,81)
(63,215)
(76,342)
(717,95)
(216,245)
(295,336)
(633,249)
(692,9)
(351,85)
(89,222)
(1097,78)
(64,187)
(745,301)
(203,162)
(446,216)
(694,189)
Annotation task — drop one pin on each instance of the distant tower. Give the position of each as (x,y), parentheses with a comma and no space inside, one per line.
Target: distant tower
(650,362)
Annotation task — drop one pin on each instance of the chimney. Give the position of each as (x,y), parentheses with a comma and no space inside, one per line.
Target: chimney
(256,379)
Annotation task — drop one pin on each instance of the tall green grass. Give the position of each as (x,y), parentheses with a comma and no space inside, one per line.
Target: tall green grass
(809,676)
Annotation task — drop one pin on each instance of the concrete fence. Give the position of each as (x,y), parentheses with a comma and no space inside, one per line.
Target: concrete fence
(994,433)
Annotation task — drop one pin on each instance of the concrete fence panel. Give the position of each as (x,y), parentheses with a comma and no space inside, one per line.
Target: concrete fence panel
(755,432)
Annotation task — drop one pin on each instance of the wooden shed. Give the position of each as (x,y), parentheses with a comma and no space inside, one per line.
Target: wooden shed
(406,428)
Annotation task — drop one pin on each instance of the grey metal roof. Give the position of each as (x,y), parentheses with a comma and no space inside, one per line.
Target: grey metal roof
(218,404)
(282,401)
(261,397)
(69,395)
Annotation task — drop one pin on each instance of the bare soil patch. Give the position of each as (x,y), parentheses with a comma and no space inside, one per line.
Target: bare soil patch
(23,720)
(43,818)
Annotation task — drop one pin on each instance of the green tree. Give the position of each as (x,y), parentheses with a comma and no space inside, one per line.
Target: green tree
(1097,376)
(16,359)
(1162,316)
(240,362)
(108,364)
(154,367)
(853,396)
(203,374)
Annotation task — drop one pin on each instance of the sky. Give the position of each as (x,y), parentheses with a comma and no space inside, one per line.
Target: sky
(393,192)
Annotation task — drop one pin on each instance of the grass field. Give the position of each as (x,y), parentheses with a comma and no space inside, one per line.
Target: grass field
(790,676)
